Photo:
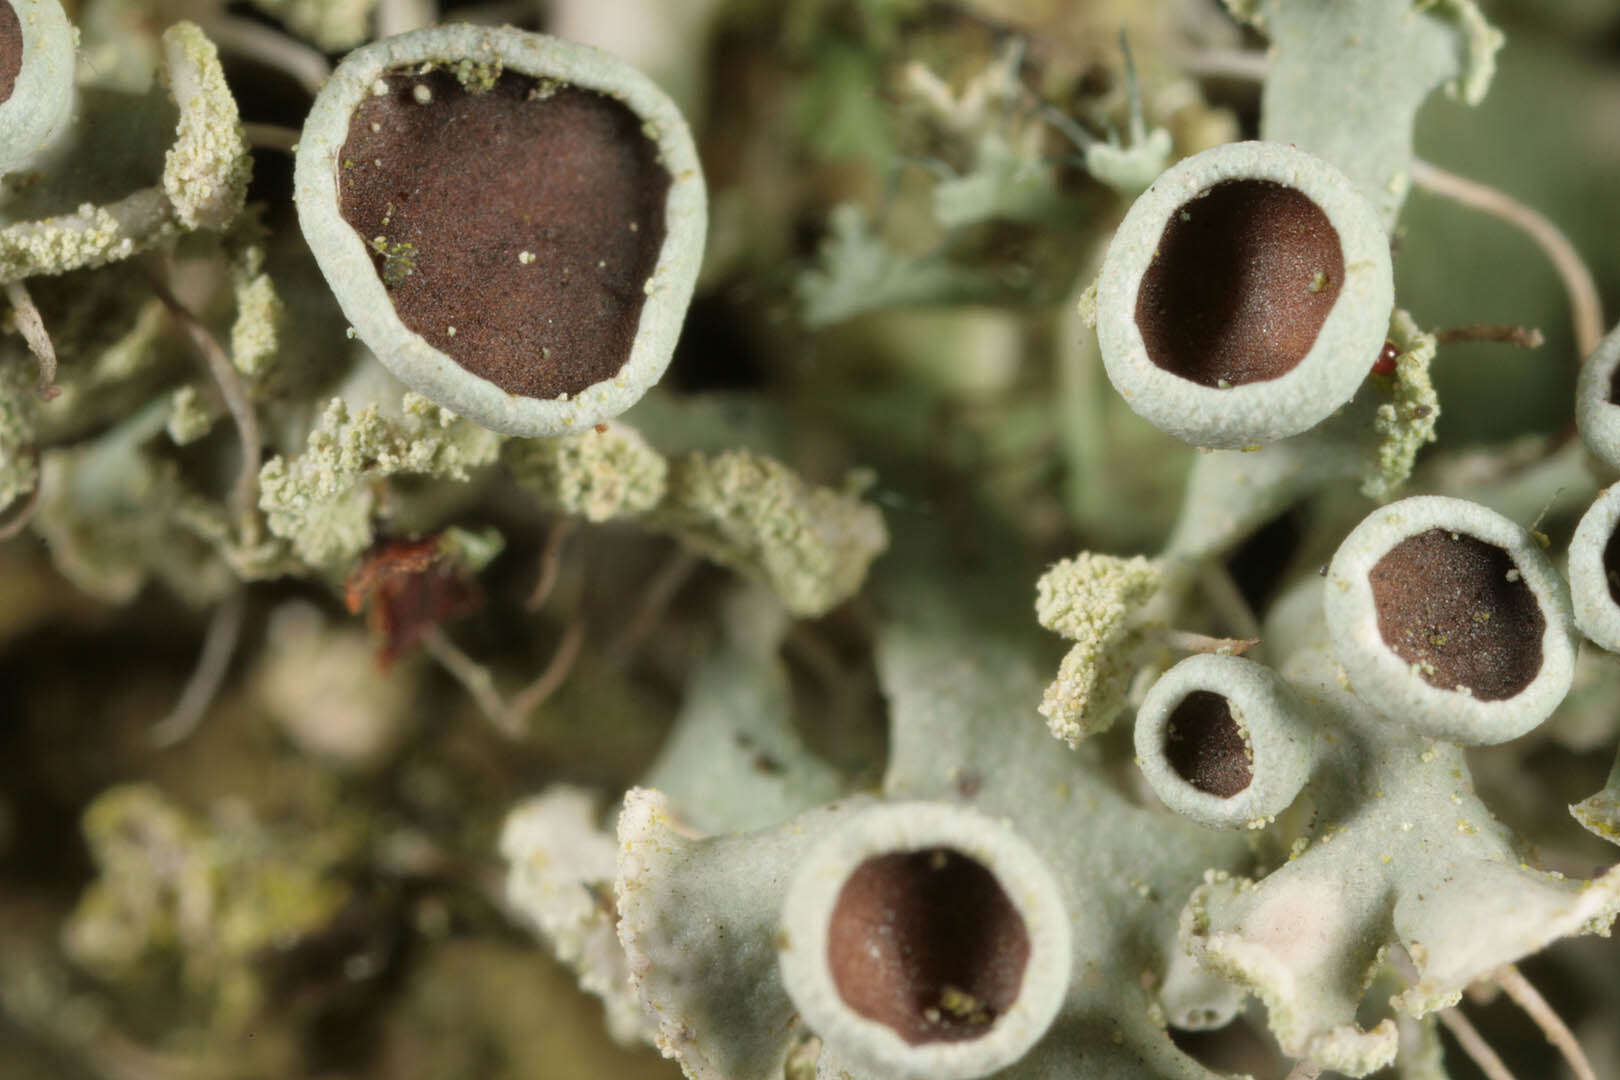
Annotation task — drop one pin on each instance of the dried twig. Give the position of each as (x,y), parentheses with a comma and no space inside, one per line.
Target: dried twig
(32,327)
(271,137)
(654,600)
(1529,999)
(1474,1044)
(1586,309)
(214,662)
(272,48)
(474,677)
(1525,337)
(1248,65)
(20,517)
(1187,641)
(1227,599)
(510,719)
(245,494)
(550,680)
(550,563)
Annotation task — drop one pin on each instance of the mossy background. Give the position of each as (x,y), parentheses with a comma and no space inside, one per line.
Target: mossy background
(384,949)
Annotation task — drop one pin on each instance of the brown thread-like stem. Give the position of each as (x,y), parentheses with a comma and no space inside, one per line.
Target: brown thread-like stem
(1525,337)
(271,137)
(1528,998)
(213,664)
(508,718)
(1474,1044)
(32,327)
(1586,308)
(654,599)
(24,514)
(550,562)
(1187,641)
(272,48)
(245,493)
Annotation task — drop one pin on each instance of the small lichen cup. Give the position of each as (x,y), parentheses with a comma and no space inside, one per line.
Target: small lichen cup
(1224,741)
(1594,571)
(36,78)
(1245,296)
(925,941)
(1597,400)
(1450,619)
(511,222)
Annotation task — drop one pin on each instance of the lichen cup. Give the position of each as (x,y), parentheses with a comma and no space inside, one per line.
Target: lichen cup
(925,941)
(1597,400)
(1245,296)
(1594,571)
(1224,741)
(36,78)
(1450,619)
(512,223)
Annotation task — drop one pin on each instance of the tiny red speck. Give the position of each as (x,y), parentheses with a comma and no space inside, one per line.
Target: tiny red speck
(1385,364)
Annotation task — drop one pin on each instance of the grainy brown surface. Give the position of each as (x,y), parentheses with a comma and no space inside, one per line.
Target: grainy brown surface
(1206,747)
(1233,293)
(927,943)
(528,222)
(1446,603)
(11,50)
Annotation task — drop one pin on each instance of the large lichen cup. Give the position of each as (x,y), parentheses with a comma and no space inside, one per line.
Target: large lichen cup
(1597,400)
(925,941)
(1245,296)
(1449,618)
(1224,741)
(36,78)
(1594,570)
(512,223)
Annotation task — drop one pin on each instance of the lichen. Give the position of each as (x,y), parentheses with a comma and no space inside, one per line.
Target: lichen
(599,475)
(210,896)
(812,545)
(206,172)
(324,500)
(1406,423)
(1092,600)
(333,25)
(256,332)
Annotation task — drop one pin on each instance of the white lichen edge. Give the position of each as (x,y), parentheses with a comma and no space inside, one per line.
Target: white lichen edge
(1395,688)
(1345,348)
(898,827)
(556,855)
(1595,415)
(42,98)
(1596,613)
(1281,742)
(346,260)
